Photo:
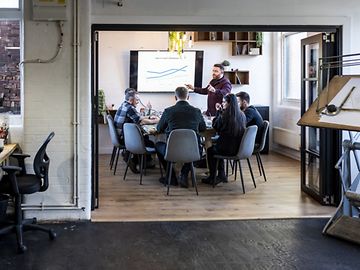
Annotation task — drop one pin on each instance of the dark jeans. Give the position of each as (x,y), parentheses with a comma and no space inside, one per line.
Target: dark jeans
(211,151)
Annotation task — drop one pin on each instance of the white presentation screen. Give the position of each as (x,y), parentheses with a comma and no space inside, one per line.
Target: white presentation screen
(163,71)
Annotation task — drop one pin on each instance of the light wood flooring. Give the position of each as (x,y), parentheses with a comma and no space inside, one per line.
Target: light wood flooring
(279,197)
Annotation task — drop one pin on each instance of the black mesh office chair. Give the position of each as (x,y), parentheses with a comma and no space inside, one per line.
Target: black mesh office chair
(18,182)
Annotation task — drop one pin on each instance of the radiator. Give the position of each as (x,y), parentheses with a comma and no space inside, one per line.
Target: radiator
(286,137)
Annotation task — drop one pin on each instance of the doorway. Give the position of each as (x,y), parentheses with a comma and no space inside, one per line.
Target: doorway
(95,58)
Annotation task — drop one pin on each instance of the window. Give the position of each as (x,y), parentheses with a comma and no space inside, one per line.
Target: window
(10,97)
(9,4)
(291,86)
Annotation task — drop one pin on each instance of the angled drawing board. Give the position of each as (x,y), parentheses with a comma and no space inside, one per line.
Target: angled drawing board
(335,93)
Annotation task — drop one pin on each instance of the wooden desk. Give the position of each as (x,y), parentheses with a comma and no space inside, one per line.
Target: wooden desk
(7,151)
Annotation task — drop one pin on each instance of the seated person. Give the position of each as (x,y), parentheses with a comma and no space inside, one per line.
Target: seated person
(127,113)
(253,116)
(181,115)
(229,123)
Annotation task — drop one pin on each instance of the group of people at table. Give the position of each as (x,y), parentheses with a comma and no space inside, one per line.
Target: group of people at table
(232,114)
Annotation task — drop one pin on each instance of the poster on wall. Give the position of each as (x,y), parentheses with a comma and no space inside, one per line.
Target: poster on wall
(163,71)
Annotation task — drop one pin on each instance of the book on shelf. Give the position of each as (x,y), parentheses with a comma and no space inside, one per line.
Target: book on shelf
(237,78)
(244,49)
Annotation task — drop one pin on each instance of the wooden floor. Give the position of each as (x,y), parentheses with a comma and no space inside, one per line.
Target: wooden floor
(279,197)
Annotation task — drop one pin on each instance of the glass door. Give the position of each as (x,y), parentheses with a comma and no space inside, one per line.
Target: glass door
(320,147)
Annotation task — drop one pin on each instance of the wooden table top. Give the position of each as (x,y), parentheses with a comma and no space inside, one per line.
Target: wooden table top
(7,151)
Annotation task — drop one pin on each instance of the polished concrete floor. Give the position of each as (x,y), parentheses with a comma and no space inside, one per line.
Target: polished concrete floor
(246,244)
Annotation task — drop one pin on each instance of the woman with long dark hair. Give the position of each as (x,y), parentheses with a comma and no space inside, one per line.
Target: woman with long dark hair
(230,124)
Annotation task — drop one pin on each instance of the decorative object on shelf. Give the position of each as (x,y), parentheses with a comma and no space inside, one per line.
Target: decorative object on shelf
(259,39)
(254,51)
(226,65)
(178,41)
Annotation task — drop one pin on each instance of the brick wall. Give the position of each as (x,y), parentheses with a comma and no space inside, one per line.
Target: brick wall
(9,66)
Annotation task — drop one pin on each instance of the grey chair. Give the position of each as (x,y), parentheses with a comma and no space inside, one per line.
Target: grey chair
(260,146)
(135,144)
(182,146)
(117,146)
(245,152)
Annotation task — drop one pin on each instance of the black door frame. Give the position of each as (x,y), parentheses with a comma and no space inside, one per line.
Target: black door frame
(95,28)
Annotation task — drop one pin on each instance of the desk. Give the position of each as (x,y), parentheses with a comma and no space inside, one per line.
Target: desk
(7,151)
(207,134)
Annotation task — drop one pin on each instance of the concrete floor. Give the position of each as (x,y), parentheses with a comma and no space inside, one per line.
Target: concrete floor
(247,244)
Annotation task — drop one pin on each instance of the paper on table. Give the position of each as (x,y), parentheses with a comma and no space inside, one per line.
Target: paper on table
(350,118)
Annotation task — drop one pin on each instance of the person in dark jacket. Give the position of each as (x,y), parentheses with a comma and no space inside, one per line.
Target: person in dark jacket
(230,124)
(217,88)
(253,117)
(181,115)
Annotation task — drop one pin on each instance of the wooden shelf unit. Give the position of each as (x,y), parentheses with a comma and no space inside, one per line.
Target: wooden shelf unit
(237,77)
(243,43)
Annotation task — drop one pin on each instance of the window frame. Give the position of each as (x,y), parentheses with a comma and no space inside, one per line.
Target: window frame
(284,99)
(7,14)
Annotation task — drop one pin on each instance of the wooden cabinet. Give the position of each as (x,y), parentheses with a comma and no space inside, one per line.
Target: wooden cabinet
(237,77)
(243,43)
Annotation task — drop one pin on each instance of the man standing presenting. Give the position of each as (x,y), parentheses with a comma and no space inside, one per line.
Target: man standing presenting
(218,87)
(181,115)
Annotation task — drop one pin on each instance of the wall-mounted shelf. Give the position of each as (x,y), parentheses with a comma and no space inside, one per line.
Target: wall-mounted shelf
(243,43)
(237,77)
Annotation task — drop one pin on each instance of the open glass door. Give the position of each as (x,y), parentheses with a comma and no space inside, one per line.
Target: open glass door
(94,122)
(320,147)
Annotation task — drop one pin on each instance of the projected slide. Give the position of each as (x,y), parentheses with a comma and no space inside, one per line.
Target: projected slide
(164,71)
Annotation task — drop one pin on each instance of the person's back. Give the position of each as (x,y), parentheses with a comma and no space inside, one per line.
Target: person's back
(253,117)
(181,115)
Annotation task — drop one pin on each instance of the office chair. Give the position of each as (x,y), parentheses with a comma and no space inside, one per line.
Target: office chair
(135,144)
(245,151)
(260,146)
(18,182)
(182,146)
(117,146)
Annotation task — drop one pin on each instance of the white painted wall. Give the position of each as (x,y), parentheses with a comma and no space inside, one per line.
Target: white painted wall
(48,89)
(114,56)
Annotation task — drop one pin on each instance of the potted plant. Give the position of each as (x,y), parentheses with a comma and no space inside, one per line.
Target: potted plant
(226,65)
(102,107)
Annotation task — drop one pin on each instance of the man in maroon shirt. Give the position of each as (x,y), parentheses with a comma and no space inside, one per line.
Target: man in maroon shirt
(218,87)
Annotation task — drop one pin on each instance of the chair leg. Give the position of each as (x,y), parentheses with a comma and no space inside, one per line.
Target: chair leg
(258,163)
(235,167)
(232,165)
(127,165)
(251,172)
(116,160)
(112,157)
(193,178)
(227,167)
(262,167)
(141,158)
(241,176)
(169,177)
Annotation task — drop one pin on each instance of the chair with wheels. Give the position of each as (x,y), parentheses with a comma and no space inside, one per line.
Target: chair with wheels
(17,182)
(182,146)
(115,141)
(135,144)
(260,146)
(245,152)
